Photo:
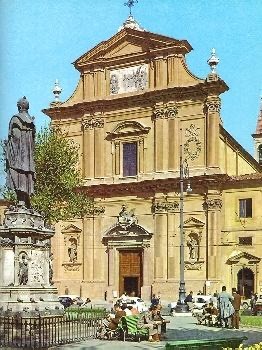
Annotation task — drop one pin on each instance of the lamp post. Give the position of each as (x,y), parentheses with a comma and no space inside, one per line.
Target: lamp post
(184,174)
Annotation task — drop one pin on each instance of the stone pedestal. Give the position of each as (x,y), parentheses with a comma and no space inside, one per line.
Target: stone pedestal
(25,265)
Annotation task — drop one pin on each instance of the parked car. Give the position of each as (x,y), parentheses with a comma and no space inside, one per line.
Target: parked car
(68,300)
(198,302)
(245,304)
(136,302)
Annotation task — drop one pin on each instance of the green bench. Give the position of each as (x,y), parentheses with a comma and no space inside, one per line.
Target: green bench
(214,344)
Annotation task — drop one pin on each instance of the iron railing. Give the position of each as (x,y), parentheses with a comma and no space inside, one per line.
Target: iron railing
(45,331)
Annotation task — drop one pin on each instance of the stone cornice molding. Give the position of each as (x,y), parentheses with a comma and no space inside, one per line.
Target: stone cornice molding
(212,204)
(213,104)
(164,112)
(164,207)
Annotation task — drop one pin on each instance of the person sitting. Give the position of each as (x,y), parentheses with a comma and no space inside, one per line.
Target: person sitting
(189,300)
(156,316)
(154,327)
(119,312)
(154,300)
(126,309)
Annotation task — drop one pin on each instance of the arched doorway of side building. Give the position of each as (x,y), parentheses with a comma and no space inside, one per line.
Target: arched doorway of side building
(245,282)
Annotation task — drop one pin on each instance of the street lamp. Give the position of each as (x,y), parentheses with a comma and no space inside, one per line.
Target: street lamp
(184,175)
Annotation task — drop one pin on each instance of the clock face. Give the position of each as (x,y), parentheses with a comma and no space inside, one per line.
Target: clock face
(192,147)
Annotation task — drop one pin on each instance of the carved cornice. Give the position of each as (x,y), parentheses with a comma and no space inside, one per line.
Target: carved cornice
(212,204)
(93,122)
(163,207)
(213,104)
(164,112)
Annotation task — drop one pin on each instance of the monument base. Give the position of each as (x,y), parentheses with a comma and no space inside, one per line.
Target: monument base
(29,301)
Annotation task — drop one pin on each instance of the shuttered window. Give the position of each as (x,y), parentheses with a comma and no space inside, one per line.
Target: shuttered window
(245,208)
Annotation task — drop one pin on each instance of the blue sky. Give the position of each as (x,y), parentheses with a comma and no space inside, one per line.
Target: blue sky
(41,38)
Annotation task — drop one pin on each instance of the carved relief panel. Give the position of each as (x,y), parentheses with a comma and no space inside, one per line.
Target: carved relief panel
(129,79)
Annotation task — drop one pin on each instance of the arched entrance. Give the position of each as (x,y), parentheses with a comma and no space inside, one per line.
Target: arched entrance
(245,282)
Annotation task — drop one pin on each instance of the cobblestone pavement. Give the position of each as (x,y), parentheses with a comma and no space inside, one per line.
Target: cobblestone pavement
(179,328)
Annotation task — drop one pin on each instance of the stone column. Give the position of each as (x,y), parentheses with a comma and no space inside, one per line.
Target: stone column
(88,147)
(88,250)
(99,146)
(160,241)
(161,150)
(213,210)
(117,158)
(148,272)
(141,168)
(173,259)
(173,138)
(98,271)
(213,105)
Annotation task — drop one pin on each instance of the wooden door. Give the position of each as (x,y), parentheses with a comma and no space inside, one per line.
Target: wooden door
(130,271)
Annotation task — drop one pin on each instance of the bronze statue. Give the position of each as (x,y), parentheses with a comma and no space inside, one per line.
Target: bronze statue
(19,152)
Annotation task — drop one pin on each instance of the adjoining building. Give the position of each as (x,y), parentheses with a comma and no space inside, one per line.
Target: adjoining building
(135,108)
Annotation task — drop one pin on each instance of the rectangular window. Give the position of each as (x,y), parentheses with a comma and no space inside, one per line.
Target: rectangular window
(245,208)
(130,159)
(245,240)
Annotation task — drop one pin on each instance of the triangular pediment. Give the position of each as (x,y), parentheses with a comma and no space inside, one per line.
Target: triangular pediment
(130,42)
(193,222)
(71,229)
(123,49)
(243,257)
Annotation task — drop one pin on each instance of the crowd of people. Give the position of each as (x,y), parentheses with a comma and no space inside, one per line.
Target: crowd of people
(151,320)
(222,310)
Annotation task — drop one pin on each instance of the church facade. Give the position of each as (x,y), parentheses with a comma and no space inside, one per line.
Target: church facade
(140,117)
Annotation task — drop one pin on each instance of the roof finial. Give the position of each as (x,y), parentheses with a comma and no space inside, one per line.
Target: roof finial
(130,4)
(57,91)
(213,61)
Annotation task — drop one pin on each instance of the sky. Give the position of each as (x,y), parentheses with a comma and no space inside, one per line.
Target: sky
(41,38)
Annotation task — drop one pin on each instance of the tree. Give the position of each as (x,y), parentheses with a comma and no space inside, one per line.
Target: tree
(57,178)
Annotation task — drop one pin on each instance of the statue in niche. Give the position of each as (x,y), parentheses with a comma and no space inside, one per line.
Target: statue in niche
(23,270)
(192,244)
(19,154)
(72,250)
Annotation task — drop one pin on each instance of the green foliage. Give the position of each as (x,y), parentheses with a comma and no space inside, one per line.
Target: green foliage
(83,312)
(57,177)
(253,321)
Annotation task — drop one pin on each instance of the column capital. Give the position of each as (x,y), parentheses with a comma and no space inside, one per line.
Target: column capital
(213,204)
(213,104)
(164,207)
(93,122)
(163,111)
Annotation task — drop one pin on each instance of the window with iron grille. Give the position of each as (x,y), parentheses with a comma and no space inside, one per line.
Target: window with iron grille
(130,159)
(245,240)
(245,208)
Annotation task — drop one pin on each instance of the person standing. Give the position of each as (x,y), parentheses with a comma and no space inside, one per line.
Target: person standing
(225,306)
(236,304)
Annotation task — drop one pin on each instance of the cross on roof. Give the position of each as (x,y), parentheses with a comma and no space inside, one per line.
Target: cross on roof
(130,4)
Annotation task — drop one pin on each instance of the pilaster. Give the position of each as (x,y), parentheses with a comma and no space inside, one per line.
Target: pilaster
(212,206)
(213,105)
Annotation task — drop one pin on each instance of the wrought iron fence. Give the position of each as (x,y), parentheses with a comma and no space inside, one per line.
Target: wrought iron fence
(45,331)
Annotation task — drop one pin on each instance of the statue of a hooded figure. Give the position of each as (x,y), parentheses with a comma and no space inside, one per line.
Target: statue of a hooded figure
(19,152)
